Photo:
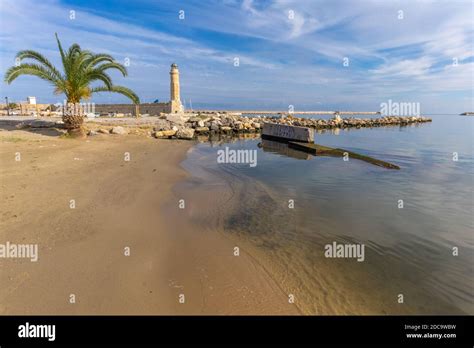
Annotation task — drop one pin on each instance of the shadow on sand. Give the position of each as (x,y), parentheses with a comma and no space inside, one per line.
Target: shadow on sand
(36,126)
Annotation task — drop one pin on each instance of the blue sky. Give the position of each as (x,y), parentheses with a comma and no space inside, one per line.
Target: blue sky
(290,52)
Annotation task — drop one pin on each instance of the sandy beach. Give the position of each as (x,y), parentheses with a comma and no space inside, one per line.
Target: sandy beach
(119,205)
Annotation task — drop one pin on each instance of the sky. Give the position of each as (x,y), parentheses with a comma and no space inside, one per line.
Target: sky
(249,54)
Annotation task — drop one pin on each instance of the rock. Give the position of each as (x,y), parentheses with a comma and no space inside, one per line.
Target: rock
(214,126)
(103,131)
(170,133)
(226,129)
(337,120)
(118,130)
(164,134)
(200,123)
(256,125)
(185,133)
(202,129)
(226,121)
(162,125)
(92,133)
(177,118)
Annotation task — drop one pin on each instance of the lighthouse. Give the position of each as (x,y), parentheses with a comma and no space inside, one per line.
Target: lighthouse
(175,100)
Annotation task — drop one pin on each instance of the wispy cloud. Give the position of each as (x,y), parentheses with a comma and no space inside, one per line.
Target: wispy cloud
(289,51)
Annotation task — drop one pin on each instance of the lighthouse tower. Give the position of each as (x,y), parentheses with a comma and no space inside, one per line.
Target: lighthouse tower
(175,102)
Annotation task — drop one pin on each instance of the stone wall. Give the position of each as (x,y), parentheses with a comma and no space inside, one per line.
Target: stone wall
(146,108)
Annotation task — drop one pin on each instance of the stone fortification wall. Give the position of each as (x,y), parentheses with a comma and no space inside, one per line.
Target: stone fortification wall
(146,108)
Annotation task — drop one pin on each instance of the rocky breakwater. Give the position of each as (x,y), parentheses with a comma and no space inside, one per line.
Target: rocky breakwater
(354,122)
(205,125)
(187,127)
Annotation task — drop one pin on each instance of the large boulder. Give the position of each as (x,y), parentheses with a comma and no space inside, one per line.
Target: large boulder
(185,133)
(118,130)
(214,126)
(161,125)
(92,132)
(177,118)
(202,129)
(165,133)
(238,125)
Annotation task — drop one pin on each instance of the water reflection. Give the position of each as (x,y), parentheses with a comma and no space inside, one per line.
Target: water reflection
(282,149)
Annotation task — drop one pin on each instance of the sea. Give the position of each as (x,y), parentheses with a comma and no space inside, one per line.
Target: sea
(303,217)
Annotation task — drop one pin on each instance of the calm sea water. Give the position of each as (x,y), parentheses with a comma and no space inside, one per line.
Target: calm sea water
(408,251)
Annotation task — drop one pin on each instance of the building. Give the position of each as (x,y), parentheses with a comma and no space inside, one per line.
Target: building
(173,106)
(31,107)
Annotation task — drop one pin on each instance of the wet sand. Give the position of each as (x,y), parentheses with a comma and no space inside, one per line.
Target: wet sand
(118,204)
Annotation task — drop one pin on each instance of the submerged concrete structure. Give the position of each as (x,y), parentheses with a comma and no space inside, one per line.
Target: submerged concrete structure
(283,132)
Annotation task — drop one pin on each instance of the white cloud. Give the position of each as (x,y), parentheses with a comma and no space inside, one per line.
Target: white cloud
(404,68)
(283,60)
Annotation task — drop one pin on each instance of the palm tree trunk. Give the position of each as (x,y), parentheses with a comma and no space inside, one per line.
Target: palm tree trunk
(73,119)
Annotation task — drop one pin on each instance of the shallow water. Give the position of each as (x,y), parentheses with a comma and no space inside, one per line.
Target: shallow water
(408,251)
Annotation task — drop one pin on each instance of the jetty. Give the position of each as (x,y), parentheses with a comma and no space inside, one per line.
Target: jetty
(280,112)
(302,139)
(320,150)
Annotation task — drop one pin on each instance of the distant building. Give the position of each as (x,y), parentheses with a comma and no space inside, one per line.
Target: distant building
(31,107)
(173,106)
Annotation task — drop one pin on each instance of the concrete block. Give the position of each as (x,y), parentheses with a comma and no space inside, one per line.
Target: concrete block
(287,132)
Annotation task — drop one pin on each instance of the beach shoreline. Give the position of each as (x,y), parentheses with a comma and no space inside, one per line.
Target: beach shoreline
(120,206)
(202,237)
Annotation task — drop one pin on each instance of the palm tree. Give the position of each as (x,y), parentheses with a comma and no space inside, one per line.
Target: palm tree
(81,68)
